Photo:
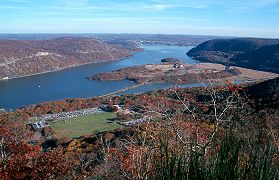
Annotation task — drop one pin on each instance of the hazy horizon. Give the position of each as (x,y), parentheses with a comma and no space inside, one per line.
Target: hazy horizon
(125,33)
(240,18)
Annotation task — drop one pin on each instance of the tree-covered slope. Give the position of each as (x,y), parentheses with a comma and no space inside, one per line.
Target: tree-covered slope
(261,54)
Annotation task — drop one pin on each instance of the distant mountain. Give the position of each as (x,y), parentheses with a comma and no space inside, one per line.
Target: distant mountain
(156,39)
(125,40)
(26,57)
(260,54)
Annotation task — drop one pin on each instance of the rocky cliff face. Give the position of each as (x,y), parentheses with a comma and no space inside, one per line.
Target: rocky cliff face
(21,57)
(260,54)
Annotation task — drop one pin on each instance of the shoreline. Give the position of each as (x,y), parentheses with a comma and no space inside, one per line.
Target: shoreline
(170,72)
(137,85)
(72,66)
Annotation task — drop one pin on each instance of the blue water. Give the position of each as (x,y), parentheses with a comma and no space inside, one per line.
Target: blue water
(72,83)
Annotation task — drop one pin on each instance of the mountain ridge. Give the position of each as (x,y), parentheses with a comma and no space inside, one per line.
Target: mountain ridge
(255,53)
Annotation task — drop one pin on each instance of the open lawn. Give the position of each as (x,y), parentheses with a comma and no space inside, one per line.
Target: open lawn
(84,125)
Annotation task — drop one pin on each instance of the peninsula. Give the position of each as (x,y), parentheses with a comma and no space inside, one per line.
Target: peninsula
(187,73)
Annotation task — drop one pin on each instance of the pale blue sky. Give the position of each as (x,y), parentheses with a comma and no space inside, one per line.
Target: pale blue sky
(257,18)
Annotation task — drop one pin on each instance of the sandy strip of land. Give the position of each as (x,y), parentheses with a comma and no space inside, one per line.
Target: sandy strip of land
(246,75)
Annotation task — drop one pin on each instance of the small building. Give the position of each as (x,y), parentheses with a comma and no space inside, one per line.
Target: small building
(2,110)
(42,54)
(177,66)
(38,125)
(227,67)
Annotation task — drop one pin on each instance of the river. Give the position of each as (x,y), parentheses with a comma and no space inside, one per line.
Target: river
(72,83)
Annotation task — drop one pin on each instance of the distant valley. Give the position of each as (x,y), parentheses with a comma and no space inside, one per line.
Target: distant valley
(48,53)
(28,54)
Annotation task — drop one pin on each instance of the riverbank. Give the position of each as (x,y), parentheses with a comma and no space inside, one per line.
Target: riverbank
(61,69)
(20,58)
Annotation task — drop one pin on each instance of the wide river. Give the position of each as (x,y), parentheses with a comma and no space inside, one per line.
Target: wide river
(72,83)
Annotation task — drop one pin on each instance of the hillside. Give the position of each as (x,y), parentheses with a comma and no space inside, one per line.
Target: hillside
(265,94)
(260,54)
(264,58)
(168,129)
(27,57)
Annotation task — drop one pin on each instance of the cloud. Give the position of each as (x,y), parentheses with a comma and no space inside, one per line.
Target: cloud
(11,7)
(157,7)
(163,7)
(142,15)
(128,6)
(242,4)
(17,1)
(259,3)
(228,4)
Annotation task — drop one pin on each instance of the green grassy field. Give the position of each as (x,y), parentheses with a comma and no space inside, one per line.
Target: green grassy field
(84,125)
